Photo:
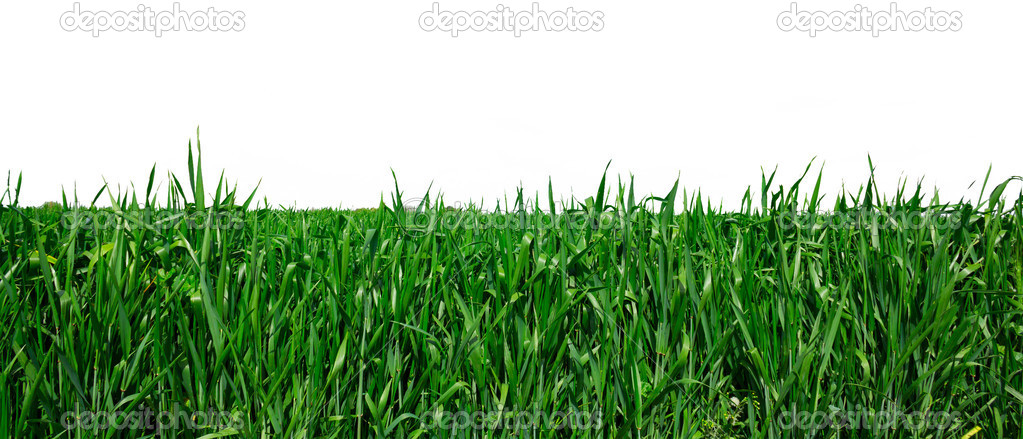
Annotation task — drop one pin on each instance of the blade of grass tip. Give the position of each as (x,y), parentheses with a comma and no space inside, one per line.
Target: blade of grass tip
(600,190)
(550,195)
(816,192)
(98,194)
(191,168)
(17,190)
(217,193)
(996,194)
(980,199)
(149,187)
(200,192)
(245,205)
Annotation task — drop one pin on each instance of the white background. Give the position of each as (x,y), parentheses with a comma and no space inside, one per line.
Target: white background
(321,100)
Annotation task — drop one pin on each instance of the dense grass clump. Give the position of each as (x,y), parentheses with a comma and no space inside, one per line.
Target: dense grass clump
(613,316)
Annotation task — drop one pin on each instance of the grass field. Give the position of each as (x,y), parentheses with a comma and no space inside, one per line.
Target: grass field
(614,316)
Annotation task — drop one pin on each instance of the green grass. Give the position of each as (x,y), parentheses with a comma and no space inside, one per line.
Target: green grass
(663,316)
